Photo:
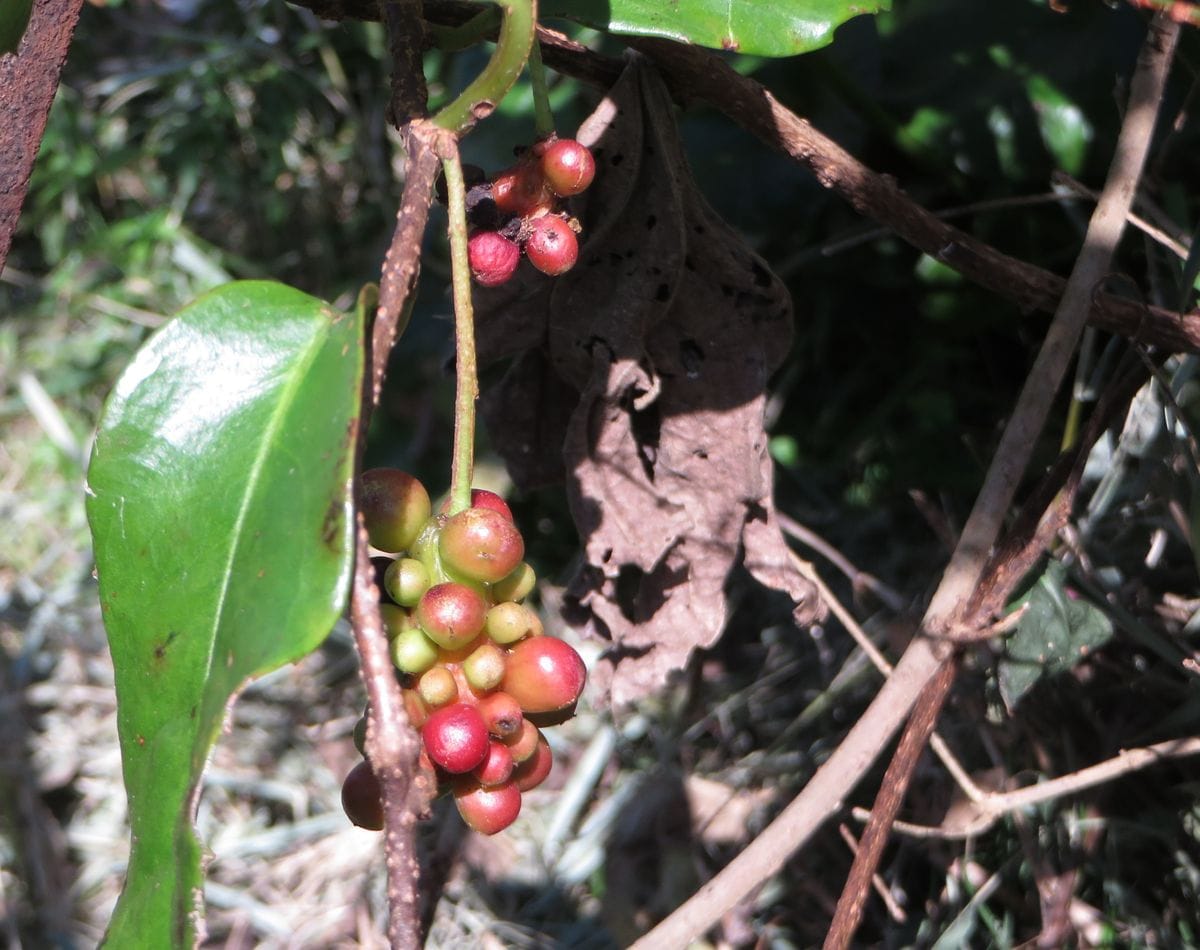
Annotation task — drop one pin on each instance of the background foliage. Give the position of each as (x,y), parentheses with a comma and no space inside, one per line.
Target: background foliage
(195,141)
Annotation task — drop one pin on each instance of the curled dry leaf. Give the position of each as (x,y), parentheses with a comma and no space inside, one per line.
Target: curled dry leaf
(640,377)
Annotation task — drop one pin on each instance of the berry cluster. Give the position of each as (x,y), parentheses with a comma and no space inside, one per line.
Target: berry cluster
(520,209)
(478,674)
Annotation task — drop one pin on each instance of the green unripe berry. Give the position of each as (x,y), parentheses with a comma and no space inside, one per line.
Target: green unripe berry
(413,652)
(395,507)
(484,668)
(395,620)
(437,686)
(406,580)
(516,586)
(509,622)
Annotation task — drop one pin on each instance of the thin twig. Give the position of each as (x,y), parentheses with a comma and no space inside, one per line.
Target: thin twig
(993,806)
(895,911)
(406,42)
(889,596)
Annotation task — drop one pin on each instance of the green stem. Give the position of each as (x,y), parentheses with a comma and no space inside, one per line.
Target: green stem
(482,96)
(466,386)
(453,38)
(543,117)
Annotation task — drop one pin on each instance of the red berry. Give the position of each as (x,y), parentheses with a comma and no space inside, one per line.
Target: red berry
(544,675)
(482,498)
(456,738)
(451,614)
(488,810)
(497,767)
(395,507)
(481,545)
(493,258)
(568,166)
(362,797)
(533,771)
(501,714)
(522,191)
(551,246)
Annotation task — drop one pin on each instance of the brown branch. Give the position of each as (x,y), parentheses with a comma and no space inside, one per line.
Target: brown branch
(392,744)
(28,80)
(406,42)
(887,803)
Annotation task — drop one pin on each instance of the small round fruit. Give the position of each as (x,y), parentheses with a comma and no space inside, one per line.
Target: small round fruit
(437,687)
(501,714)
(416,707)
(413,652)
(533,771)
(406,580)
(481,545)
(568,166)
(456,738)
(482,498)
(544,675)
(517,586)
(484,668)
(524,742)
(488,810)
(521,191)
(552,246)
(451,614)
(360,735)
(362,797)
(493,258)
(395,507)
(509,622)
(497,767)
(395,619)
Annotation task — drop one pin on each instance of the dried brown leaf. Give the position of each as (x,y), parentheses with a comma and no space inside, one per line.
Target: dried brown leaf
(661,341)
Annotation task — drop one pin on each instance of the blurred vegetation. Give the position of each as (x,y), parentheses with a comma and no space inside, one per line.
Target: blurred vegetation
(195,141)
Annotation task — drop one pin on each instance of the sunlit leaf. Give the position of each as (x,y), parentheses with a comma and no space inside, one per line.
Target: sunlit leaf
(218,497)
(1055,633)
(782,28)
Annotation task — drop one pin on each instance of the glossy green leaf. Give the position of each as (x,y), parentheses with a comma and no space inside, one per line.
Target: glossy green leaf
(14,18)
(781,28)
(1055,633)
(219,503)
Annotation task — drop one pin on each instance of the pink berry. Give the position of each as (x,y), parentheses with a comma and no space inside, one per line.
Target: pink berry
(493,258)
(497,766)
(480,544)
(488,810)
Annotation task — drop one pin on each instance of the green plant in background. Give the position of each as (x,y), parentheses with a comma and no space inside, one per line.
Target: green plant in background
(257,149)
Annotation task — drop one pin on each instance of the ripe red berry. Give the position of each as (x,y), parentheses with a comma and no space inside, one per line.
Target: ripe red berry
(456,738)
(523,743)
(497,767)
(451,614)
(395,507)
(522,191)
(533,771)
(488,810)
(551,246)
(481,545)
(493,258)
(544,675)
(362,797)
(568,166)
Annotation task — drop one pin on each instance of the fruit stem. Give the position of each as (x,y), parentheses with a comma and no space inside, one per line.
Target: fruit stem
(466,386)
(484,93)
(543,116)
(451,39)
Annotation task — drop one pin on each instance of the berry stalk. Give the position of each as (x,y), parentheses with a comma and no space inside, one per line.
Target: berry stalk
(466,384)
(543,116)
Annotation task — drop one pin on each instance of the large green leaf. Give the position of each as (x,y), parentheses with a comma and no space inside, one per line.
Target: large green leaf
(219,502)
(1055,633)
(755,27)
